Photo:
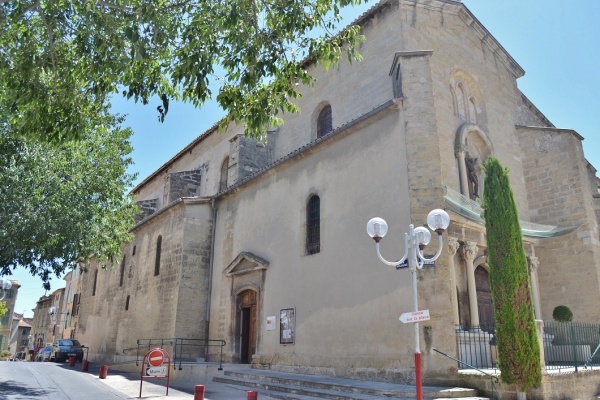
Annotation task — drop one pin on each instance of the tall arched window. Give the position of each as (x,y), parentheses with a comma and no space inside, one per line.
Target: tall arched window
(313,225)
(324,122)
(224,174)
(95,282)
(122,271)
(472,110)
(461,102)
(158,251)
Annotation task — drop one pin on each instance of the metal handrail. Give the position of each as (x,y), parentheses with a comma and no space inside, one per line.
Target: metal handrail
(493,378)
(199,343)
(177,346)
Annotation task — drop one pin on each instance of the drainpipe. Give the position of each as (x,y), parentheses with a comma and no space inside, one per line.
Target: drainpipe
(210,269)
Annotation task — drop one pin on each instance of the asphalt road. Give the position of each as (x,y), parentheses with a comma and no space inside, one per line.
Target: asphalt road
(47,380)
(57,381)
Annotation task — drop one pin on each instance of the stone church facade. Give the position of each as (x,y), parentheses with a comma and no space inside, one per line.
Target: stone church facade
(264,245)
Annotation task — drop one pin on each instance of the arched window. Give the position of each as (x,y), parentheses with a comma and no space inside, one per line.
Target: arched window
(472,110)
(224,174)
(122,271)
(324,122)
(313,225)
(133,252)
(95,282)
(461,101)
(127,303)
(158,251)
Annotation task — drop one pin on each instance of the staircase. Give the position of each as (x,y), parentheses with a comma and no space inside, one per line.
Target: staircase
(280,385)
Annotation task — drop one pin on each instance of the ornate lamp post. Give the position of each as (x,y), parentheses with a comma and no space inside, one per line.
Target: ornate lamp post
(414,242)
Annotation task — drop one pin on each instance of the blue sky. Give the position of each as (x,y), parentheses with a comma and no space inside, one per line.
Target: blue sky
(554,41)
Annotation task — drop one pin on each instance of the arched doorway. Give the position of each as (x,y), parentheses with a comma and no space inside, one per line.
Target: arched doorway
(485,307)
(248,305)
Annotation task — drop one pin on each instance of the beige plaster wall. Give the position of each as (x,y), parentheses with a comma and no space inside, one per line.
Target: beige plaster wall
(347,302)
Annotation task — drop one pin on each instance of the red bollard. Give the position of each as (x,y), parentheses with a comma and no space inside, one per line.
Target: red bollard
(103,371)
(199,392)
(85,365)
(71,361)
(252,395)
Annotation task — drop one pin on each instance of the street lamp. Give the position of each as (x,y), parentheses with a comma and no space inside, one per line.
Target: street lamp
(414,242)
(5,286)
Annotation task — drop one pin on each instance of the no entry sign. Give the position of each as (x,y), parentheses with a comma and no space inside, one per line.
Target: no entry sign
(153,366)
(156,358)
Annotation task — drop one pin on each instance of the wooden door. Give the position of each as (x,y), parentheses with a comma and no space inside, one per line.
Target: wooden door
(248,304)
(485,307)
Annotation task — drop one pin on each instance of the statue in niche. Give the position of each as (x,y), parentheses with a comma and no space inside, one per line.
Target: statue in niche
(471,163)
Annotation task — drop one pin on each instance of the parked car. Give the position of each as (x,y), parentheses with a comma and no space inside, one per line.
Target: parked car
(44,353)
(62,349)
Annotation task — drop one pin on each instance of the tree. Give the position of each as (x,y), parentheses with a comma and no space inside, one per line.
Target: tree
(63,203)
(3,308)
(60,61)
(518,346)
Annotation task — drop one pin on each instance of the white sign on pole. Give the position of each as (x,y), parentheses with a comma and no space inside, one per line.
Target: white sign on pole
(415,316)
(157,371)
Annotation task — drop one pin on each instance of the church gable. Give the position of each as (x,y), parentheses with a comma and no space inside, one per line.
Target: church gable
(246,263)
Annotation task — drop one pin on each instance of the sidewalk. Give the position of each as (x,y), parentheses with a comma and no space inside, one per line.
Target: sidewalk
(128,383)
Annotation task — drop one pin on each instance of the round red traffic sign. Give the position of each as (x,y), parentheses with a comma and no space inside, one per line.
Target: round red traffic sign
(156,358)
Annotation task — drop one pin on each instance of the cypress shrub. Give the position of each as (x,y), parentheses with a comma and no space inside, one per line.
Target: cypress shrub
(518,346)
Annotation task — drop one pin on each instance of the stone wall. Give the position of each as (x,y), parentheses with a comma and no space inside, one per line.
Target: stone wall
(555,386)
(559,193)
(182,184)
(148,207)
(170,304)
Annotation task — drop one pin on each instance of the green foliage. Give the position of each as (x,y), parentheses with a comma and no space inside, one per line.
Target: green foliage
(60,61)
(62,204)
(3,308)
(518,347)
(4,354)
(562,314)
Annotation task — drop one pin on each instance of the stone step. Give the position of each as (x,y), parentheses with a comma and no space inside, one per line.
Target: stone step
(289,386)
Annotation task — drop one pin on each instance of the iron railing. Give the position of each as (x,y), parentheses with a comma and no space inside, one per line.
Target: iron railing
(567,345)
(493,378)
(571,345)
(477,346)
(183,351)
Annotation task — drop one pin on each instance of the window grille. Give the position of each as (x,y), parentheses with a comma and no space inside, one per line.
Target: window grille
(313,225)
(324,125)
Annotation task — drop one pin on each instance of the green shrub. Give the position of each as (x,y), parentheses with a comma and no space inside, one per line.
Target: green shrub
(562,314)
(516,332)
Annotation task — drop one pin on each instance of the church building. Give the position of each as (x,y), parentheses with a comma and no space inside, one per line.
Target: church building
(263,245)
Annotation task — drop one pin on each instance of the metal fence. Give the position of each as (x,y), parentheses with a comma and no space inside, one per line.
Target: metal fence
(476,347)
(567,345)
(571,345)
(183,351)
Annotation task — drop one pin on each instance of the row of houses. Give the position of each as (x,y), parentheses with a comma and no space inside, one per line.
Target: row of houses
(55,316)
